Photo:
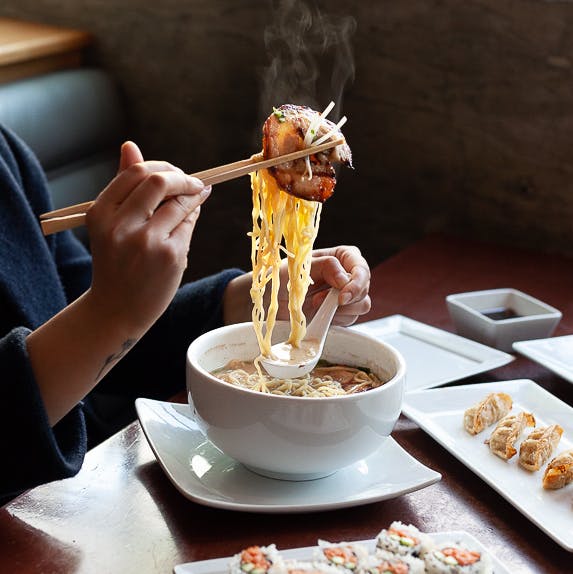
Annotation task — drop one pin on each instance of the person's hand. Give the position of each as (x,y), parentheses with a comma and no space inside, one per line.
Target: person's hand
(342,267)
(140,228)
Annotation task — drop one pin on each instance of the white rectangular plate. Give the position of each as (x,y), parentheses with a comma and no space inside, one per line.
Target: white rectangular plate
(440,413)
(221,565)
(555,353)
(433,356)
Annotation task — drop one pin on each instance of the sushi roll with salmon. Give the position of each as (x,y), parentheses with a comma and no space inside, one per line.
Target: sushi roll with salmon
(402,539)
(387,563)
(346,557)
(256,560)
(456,558)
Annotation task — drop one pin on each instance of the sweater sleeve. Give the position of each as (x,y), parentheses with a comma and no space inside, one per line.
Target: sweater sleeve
(32,290)
(34,453)
(155,367)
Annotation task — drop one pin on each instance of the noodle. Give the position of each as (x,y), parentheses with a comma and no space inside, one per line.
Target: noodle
(323,381)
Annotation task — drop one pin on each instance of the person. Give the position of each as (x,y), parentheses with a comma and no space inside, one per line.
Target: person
(116,316)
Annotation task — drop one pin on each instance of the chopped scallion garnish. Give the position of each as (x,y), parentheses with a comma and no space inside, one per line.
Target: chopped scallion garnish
(279,114)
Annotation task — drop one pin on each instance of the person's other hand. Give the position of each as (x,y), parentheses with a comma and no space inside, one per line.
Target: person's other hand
(342,267)
(140,228)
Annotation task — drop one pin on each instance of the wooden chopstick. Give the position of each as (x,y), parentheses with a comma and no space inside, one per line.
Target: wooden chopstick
(70,210)
(75,215)
(61,223)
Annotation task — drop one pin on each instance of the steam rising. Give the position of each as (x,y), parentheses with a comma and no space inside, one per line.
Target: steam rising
(310,55)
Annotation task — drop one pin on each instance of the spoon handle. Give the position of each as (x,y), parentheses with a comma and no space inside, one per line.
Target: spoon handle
(321,321)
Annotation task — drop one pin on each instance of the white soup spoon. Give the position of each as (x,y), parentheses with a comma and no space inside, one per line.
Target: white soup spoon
(288,362)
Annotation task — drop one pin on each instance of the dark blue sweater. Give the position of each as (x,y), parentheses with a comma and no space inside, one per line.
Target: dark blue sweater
(38,277)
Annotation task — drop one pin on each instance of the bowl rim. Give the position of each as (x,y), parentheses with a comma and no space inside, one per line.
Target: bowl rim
(395,380)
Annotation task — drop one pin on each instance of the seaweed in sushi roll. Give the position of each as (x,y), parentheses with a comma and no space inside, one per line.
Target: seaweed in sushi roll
(456,558)
(403,539)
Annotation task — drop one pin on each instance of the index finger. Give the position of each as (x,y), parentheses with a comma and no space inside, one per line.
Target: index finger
(158,188)
(123,184)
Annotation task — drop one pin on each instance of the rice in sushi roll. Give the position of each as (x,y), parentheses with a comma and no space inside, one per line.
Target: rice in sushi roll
(256,560)
(303,567)
(346,557)
(455,558)
(403,539)
(387,563)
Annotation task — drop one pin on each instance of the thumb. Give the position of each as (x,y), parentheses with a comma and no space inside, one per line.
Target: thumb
(129,155)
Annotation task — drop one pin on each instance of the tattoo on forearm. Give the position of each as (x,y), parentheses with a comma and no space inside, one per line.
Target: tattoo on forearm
(115,357)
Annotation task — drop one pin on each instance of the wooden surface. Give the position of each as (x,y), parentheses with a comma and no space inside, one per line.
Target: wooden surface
(30,48)
(121,513)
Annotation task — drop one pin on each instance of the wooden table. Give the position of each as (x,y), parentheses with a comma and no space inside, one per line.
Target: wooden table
(121,514)
(32,48)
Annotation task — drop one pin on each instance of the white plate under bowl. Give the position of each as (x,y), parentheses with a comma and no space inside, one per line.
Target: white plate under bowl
(202,473)
(221,565)
(440,413)
(555,353)
(433,356)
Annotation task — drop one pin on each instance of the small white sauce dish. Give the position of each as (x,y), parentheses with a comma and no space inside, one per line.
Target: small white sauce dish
(499,317)
(294,438)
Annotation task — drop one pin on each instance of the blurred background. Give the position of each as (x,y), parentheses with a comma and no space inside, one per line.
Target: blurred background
(460,114)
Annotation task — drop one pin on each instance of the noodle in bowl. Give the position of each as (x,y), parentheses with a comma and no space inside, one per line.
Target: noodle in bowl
(290,437)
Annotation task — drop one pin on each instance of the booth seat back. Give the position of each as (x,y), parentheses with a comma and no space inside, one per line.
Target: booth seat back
(74,121)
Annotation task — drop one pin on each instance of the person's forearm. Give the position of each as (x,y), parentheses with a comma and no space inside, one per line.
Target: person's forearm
(72,351)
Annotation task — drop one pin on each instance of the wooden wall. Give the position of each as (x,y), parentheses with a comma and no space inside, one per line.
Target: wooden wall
(460,113)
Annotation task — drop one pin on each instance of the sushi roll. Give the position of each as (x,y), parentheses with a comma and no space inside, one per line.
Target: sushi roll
(402,539)
(302,567)
(346,557)
(387,563)
(256,560)
(455,558)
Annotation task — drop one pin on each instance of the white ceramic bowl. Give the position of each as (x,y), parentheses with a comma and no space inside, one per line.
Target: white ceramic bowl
(499,317)
(293,438)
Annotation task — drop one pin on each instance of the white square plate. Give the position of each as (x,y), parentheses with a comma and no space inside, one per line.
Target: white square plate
(202,473)
(221,565)
(555,353)
(433,356)
(440,413)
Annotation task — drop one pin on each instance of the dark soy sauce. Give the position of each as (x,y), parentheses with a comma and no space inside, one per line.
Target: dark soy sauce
(500,313)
